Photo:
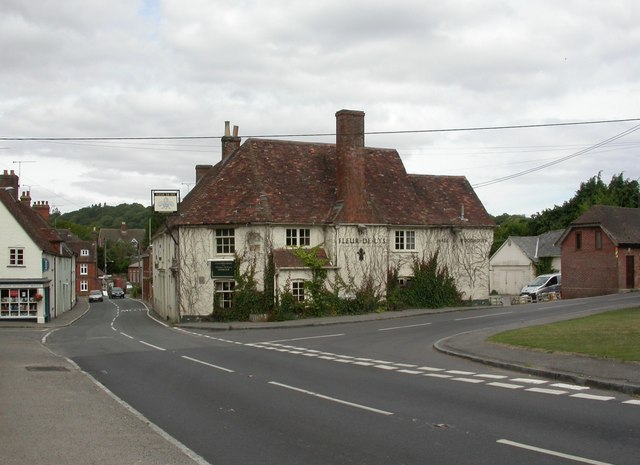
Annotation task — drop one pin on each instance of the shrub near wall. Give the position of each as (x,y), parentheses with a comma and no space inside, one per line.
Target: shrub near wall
(431,287)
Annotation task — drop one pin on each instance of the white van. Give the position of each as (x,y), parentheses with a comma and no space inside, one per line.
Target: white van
(543,284)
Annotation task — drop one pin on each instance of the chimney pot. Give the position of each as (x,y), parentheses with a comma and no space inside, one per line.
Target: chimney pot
(226,129)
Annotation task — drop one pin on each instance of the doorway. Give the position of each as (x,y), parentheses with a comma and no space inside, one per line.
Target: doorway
(631,277)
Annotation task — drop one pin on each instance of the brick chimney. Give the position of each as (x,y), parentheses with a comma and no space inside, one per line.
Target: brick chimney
(123,228)
(42,208)
(201,170)
(9,181)
(229,143)
(350,166)
(25,198)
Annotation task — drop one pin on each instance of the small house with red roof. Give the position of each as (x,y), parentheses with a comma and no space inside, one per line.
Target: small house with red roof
(356,207)
(37,268)
(600,252)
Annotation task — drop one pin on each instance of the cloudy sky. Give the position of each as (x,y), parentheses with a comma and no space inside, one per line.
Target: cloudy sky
(176,68)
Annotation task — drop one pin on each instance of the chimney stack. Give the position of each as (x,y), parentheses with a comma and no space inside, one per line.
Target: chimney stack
(201,170)
(25,198)
(123,227)
(349,129)
(9,181)
(351,166)
(42,208)
(229,143)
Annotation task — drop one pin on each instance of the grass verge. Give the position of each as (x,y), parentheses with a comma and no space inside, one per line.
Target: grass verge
(612,335)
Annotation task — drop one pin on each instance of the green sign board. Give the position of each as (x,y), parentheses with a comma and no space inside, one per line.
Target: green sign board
(223,268)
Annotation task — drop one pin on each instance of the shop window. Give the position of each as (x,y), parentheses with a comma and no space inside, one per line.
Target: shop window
(225,241)
(19,303)
(405,240)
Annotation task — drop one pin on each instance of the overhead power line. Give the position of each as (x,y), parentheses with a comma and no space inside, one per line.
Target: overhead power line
(559,160)
(410,131)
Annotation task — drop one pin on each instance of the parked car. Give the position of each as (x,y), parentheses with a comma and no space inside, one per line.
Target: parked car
(117,293)
(543,284)
(95,296)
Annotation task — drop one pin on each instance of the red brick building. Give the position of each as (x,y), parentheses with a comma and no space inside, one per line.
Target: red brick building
(601,252)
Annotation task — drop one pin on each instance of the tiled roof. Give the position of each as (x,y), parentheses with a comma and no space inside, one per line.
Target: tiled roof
(286,258)
(621,224)
(46,237)
(272,181)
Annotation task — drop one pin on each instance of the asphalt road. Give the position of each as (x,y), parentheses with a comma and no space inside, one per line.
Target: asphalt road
(362,393)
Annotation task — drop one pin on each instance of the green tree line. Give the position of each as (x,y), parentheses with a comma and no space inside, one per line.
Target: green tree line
(619,192)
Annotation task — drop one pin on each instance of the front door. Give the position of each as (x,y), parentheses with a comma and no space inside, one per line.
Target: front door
(631,278)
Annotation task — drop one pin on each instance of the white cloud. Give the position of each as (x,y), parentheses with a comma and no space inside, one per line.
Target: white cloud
(174,68)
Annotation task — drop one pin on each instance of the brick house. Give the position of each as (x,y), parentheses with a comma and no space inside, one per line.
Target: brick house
(355,205)
(601,252)
(87,271)
(37,268)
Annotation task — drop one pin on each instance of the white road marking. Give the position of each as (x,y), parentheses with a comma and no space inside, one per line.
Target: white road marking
(468,380)
(302,338)
(505,385)
(126,335)
(403,327)
(481,316)
(551,452)
(386,367)
(458,372)
(437,375)
(592,397)
(430,369)
(405,365)
(573,387)
(332,399)
(208,364)
(632,402)
(554,392)
(410,372)
(528,381)
(152,346)
(482,375)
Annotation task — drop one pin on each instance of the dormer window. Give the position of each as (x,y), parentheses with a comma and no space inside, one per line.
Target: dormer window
(84,252)
(298,237)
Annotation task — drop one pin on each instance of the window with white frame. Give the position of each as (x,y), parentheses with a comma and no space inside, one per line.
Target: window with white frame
(297,290)
(84,252)
(84,269)
(84,286)
(225,241)
(298,237)
(224,293)
(405,240)
(16,256)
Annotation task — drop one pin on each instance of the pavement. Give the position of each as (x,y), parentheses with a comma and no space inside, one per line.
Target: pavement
(51,412)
